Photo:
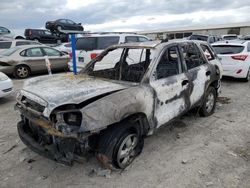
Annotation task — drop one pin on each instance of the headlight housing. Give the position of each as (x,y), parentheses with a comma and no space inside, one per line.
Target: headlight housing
(73,118)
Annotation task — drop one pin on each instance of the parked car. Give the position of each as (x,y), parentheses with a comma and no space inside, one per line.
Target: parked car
(21,61)
(13,43)
(208,38)
(63,24)
(7,34)
(111,106)
(229,37)
(45,36)
(64,47)
(89,46)
(6,85)
(234,58)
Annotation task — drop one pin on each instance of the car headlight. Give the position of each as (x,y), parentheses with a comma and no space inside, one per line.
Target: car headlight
(73,118)
(3,77)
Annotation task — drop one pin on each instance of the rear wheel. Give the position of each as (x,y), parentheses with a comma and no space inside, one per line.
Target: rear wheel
(209,103)
(119,146)
(22,71)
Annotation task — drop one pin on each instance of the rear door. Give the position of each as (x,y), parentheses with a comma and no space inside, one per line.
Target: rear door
(171,86)
(198,71)
(57,60)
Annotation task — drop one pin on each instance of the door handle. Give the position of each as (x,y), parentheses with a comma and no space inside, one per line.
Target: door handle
(208,73)
(184,82)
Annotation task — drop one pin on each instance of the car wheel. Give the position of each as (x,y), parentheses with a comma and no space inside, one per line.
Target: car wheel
(36,40)
(209,103)
(58,41)
(119,146)
(248,76)
(22,71)
(59,28)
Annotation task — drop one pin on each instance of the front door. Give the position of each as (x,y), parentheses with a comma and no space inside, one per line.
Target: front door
(171,86)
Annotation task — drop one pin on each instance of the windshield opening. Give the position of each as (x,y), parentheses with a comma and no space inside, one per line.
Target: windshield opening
(123,64)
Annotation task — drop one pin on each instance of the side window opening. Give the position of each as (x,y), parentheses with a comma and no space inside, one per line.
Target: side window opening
(131,39)
(169,64)
(207,52)
(192,56)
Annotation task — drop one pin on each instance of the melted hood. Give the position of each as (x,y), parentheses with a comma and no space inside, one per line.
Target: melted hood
(63,89)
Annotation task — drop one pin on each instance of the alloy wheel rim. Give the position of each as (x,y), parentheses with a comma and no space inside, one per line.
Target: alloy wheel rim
(22,72)
(126,152)
(210,102)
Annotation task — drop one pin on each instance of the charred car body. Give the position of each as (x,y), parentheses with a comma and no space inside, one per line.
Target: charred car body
(113,104)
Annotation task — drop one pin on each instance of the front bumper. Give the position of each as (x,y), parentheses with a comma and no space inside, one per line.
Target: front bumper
(41,137)
(9,70)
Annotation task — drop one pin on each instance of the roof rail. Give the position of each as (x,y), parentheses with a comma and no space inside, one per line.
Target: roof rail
(103,33)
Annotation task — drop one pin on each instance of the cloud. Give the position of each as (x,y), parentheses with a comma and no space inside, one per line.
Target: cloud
(122,15)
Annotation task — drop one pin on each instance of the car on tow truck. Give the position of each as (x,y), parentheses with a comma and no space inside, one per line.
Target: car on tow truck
(113,104)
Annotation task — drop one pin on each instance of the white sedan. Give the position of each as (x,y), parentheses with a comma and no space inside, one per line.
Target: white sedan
(235,58)
(6,85)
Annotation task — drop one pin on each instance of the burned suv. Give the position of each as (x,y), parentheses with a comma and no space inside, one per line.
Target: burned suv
(114,103)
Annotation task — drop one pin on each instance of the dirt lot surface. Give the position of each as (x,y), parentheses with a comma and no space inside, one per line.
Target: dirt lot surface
(193,152)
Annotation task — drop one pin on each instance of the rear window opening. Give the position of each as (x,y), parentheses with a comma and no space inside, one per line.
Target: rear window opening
(228,49)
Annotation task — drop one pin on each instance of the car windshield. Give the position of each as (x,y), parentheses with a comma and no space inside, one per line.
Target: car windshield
(198,37)
(9,52)
(123,64)
(228,49)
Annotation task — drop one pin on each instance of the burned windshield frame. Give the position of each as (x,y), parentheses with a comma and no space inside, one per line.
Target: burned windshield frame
(130,67)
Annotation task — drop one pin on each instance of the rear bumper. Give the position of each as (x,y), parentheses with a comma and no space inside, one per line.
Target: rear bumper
(231,70)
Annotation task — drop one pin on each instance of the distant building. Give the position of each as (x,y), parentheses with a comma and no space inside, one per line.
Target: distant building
(222,29)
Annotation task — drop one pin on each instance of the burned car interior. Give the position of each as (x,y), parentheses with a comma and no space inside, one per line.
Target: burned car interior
(129,67)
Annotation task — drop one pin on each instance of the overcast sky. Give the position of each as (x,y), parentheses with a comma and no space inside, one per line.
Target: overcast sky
(123,15)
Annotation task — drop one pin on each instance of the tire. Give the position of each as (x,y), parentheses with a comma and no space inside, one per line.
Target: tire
(119,146)
(208,106)
(247,77)
(22,71)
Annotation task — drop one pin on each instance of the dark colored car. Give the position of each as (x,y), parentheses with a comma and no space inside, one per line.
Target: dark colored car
(63,24)
(44,36)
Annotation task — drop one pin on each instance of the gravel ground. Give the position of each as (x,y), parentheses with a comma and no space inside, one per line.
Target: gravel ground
(193,152)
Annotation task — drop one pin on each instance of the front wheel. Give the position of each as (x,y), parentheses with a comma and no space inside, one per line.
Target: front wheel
(119,146)
(209,103)
(22,71)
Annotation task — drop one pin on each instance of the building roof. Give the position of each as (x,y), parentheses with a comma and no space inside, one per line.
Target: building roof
(194,28)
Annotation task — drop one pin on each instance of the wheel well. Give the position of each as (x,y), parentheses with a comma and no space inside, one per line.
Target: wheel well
(139,119)
(216,85)
(19,37)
